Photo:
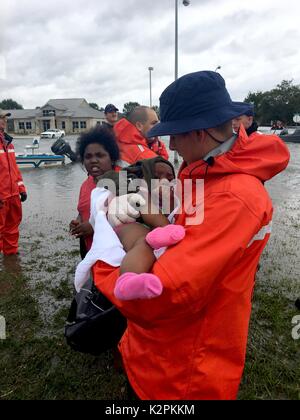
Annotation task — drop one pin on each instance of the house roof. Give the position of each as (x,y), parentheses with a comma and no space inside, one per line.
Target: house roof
(73,107)
(22,113)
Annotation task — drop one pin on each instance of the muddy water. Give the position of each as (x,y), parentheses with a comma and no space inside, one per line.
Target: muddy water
(48,254)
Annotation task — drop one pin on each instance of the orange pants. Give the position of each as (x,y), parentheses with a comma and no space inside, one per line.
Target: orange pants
(10,219)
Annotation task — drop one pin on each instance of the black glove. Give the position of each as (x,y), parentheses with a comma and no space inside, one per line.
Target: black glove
(23,196)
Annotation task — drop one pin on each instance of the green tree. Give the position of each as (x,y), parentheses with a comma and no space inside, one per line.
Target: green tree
(128,107)
(280,103)
(94,105)
(10,104)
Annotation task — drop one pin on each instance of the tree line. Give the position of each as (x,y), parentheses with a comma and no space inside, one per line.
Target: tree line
(280,103)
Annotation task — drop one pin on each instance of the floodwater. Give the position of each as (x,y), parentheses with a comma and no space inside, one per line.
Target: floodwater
(48,254)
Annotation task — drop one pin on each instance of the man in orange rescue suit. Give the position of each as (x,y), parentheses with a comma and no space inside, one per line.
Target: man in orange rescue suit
(248,122)
(131,134)
(190,342)
(12,192)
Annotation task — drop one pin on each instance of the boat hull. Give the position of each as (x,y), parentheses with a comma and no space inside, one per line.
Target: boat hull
(291,138)
(38,160)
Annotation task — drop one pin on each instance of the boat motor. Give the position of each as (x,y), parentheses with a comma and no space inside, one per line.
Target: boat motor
(61,147)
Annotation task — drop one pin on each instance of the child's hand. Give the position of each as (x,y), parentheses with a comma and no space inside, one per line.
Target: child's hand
(74,223)
(82,229)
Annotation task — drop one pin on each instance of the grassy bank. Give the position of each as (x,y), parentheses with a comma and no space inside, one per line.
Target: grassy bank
(34,366)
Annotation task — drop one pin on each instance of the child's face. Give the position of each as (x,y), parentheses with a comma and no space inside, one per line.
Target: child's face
(96,160)
(163,171)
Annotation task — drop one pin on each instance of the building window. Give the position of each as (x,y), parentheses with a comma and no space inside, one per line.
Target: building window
(63,125)
(75,125)
(98,122)
(28,126)
(21,126)
(82,124)
(48,113)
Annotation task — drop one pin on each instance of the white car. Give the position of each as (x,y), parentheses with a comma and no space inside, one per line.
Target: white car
(52,134)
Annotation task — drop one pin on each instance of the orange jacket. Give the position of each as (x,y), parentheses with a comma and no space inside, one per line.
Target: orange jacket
(132,144)
(190,342)
(159,148)
(11,182)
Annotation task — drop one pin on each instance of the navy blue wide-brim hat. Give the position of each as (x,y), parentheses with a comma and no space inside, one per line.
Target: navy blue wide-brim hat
(250,111)
(196,101)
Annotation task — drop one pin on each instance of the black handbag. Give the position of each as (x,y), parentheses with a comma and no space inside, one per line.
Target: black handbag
(94,324)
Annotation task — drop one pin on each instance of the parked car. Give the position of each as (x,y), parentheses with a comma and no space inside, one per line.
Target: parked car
(52,134)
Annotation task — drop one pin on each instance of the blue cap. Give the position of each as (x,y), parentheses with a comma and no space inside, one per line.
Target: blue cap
(110,108)
(196,101)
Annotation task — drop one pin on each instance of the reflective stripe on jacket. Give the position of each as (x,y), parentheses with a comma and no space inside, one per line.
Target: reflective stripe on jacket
(190,342)
(11,182)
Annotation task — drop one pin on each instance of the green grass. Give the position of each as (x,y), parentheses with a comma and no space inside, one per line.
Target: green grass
(272,369)
(35,367)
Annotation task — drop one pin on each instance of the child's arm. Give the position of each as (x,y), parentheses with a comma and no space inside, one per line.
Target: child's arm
(152,216)
(155,220)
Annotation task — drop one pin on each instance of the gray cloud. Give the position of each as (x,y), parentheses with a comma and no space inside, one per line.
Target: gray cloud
(101,50)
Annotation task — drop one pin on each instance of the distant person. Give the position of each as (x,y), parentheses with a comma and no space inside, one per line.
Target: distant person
(111,115)
(98,152)
(12,192)
(248,122)
(278,125)
(131,133)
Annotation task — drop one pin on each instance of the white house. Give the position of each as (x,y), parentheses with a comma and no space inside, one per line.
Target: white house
(71,115)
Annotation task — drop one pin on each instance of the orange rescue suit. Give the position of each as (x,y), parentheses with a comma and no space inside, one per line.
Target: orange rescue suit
(190,342)
(131,143)
(11,185)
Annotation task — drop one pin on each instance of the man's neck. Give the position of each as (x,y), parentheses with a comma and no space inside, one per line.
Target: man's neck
(221,148)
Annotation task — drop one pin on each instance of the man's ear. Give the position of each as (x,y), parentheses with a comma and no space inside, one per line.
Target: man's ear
(199,134)
(139,126)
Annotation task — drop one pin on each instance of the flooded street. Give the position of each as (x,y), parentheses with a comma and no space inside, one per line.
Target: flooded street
(48,254)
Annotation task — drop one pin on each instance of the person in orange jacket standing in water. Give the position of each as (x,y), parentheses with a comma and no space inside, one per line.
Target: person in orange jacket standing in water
(12,192)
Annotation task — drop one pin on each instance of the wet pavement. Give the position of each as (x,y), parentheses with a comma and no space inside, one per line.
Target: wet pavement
(48,254)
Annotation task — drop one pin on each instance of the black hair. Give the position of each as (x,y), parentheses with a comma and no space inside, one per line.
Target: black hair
(100,135)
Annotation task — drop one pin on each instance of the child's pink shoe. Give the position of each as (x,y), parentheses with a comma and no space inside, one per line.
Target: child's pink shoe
(165,236)
(137,286)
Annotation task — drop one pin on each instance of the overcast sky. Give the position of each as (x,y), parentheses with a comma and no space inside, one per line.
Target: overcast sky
(101,49)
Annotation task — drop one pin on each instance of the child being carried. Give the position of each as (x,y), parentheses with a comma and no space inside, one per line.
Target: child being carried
(151,232)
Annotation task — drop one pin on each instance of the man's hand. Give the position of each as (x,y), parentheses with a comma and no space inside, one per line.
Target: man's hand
(79,229)
(125,209)
(23,196)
